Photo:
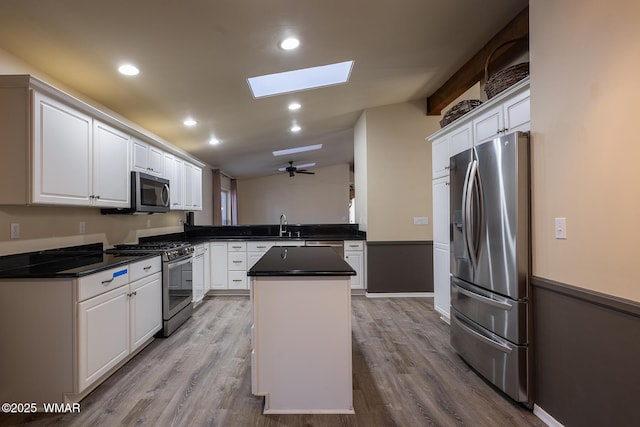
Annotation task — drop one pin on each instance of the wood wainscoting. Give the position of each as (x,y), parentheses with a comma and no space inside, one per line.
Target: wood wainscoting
(400,267)
(587,355)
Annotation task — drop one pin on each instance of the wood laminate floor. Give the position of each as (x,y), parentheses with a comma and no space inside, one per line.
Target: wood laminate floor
(405,373)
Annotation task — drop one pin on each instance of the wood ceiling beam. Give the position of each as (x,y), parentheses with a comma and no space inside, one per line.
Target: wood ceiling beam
(473,71)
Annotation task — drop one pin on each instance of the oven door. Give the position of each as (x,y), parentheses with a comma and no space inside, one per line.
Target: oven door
(177,289)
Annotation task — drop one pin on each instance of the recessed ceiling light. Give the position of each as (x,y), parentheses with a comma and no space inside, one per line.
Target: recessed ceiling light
(214,141)
(296,128)
(294,106)
(288,151)
(302,79)
(190,122)
(128,70)
(289,43)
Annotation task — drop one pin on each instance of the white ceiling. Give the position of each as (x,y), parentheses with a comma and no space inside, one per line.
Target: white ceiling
(195,57)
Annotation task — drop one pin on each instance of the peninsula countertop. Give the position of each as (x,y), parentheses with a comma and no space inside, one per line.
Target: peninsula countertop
(301,261)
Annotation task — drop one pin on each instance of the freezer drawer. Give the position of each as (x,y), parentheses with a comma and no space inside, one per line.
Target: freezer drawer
(502,363)
(502,316)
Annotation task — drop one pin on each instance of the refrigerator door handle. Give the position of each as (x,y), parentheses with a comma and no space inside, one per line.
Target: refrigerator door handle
(469,225)
(489,301)
(495,344)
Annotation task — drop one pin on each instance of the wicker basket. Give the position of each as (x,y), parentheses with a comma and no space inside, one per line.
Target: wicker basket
(459,110)
(505,78)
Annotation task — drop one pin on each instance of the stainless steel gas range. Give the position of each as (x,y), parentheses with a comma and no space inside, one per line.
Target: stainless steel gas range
(177,289)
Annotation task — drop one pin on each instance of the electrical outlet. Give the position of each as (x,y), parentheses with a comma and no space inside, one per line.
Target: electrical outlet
(15,231)
(561,228)
(83,227)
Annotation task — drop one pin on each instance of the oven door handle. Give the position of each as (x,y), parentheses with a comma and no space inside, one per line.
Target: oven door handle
(178,263)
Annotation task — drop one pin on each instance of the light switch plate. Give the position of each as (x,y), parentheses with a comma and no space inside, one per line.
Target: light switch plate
(561,228)
(420,220)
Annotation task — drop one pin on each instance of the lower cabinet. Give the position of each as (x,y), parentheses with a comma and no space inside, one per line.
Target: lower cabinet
(200,271)
(354,256)
(103,334)
(218,265)
(114,324)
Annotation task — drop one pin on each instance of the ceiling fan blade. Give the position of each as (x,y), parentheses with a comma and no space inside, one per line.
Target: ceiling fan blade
(305,172)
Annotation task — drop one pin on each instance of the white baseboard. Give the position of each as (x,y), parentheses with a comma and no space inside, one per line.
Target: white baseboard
(545,417)
(399,295)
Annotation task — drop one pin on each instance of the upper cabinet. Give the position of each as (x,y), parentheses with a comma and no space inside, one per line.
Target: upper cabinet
(58,150)
(510,116)
(147,158)
(77,160)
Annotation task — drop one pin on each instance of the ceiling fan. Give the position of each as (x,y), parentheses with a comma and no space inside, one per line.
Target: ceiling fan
(292,170)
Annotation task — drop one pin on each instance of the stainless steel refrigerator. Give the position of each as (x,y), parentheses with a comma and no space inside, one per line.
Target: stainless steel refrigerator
(490,262)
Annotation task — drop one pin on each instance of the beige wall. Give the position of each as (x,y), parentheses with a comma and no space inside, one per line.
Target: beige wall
(398,170)
(52,227)
(322,198)
(585,59)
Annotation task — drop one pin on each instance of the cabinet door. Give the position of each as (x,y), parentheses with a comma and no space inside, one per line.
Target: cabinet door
(252,258)
(62,153)
(145,309)
(155,161)
(111,177)
(440,157)
(198,277)
(192,187)
(441,282)
(139,155)
(356,261)
(103,334)
(207,268)
(459,141)
(488,125)
(517,113)
(441,211)
(218,256)
(173,171)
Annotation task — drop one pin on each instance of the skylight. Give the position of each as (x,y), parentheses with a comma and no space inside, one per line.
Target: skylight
(297,150)
(302,79)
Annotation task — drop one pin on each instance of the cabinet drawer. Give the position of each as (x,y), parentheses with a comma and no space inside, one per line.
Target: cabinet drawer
(237,246)
(354,246)
(143,268)
(259,246)
(104,281)
(237,261)
(238,280)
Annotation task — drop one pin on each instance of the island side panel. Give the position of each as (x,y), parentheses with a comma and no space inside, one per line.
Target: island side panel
(301,360)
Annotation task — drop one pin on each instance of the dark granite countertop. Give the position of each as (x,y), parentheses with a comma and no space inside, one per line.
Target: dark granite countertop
(301,261)
(76,261)
(270,232)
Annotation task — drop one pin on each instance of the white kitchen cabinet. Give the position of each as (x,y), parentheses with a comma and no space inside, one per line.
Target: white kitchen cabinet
(507,112)
(103,334)
(192,187)
(58,150)
(255,251)
(354,256)
(511,115)
(111,177)
(218,267)
(441,220)
(174,172)
(201,252)
(62,153)
(145,309)
(146,158)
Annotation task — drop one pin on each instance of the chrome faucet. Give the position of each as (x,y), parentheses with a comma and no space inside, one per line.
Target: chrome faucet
(283,225)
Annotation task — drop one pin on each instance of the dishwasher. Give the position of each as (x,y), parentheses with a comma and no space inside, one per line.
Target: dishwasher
(337,245)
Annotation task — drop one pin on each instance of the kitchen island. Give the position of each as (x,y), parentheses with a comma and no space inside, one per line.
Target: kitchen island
(301,331)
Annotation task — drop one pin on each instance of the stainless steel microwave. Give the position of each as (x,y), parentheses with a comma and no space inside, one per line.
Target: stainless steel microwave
(149,194)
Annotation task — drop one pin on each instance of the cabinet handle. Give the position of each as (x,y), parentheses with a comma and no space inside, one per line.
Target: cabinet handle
(236,262)
(447,167)
(147,268)
(106,282)
(236,280)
